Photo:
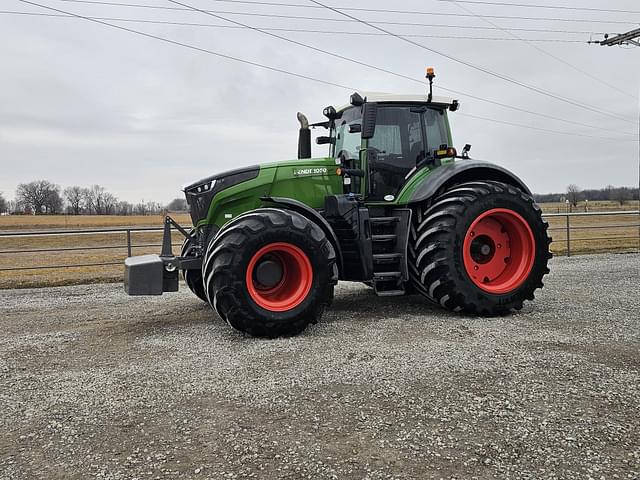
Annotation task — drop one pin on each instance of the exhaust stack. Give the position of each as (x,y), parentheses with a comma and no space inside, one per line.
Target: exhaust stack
(304,137)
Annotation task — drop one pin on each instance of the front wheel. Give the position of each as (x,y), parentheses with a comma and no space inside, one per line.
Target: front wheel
(480,248)
(270,272)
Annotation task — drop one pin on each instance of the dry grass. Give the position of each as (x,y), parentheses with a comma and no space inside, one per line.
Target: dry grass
(613,234)
(594,206)
(43,222)
(105,248)
(111,248)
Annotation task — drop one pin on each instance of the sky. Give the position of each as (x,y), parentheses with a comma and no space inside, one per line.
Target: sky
(83,103)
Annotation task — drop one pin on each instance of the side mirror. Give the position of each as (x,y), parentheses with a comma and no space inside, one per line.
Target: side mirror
(355,128)
(325,140)
(369,114)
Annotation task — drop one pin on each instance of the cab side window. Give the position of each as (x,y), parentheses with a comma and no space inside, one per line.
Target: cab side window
(396,147)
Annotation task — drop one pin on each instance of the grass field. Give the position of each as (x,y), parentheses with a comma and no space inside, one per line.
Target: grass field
(111,248)
(43,222)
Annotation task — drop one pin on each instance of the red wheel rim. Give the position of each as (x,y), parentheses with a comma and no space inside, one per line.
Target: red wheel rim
(294,283)
(498,251)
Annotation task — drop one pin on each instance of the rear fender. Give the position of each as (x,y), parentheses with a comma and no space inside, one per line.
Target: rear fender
(463,171)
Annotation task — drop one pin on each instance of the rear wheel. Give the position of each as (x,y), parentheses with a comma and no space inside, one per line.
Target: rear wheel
(480,248)
(270,273)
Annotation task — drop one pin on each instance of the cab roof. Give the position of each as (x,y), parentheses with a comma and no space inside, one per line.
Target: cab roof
(380,97)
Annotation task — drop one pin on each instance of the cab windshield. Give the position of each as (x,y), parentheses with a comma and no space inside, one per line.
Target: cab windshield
(347,145)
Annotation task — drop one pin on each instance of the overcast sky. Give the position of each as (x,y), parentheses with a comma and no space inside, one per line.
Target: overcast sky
(82,103)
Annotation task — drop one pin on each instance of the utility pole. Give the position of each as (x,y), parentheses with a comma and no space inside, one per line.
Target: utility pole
(629,38)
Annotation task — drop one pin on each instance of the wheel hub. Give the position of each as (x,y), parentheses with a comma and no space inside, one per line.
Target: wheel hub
(268,273)
(279,277)
(499,251)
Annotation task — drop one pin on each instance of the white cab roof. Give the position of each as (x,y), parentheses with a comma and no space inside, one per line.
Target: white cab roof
(401,98)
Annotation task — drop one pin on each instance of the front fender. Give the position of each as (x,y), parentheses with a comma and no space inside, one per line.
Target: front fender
(314,216)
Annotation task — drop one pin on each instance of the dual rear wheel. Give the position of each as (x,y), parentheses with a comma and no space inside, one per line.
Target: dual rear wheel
(480,248)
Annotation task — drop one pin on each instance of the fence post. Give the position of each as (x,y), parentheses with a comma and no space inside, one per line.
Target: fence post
(128,243)
(568,237)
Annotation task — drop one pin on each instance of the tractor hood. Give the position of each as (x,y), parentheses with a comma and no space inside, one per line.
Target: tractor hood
(200,194)
(217,199)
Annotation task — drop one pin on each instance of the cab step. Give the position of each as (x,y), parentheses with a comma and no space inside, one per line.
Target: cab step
(384,238)
(389,239)
(385,220)
(386,258)
(386,276)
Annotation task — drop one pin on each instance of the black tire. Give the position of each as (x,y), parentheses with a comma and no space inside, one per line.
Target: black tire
(193,278)
(231,252)
(436,252)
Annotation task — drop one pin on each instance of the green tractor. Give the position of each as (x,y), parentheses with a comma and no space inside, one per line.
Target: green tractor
(393,205)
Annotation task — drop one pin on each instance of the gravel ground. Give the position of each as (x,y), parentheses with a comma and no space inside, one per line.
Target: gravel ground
(96,384)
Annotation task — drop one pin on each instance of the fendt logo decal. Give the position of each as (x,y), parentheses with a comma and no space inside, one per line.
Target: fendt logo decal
(303,172)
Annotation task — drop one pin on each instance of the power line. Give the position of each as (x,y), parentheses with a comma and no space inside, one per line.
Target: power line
(290,30)
(248,62)
(523,110)
(483,69)
(544,52)
(413,79)
(192,47)
(555,132)
(304,45)
(554,7)
(379,10)
(295,42)
(430,25)
(441,14)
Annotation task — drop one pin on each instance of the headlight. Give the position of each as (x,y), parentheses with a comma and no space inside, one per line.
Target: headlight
(205,187)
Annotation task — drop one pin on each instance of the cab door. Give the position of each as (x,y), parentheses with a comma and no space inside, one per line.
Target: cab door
(397,145)
(348,145)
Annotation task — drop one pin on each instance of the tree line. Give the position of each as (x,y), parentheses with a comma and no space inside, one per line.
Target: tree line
(42,197)
(575,194)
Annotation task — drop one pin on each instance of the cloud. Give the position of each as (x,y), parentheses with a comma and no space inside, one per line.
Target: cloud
(84,104)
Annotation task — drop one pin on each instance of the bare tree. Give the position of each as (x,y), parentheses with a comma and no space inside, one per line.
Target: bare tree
(621,195)
(4,205)
(93,199)
(177,205)
(75,198)
(41,196)
(124,208)
(13,207)
(109,202)
(608,192)
(53,203)
(573,194)
(140,208)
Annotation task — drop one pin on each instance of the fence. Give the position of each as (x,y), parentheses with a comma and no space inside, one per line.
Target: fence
(127,231)
(559,223)
(567,228)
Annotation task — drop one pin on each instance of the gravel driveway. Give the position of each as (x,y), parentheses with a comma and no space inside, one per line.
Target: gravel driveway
(96,384)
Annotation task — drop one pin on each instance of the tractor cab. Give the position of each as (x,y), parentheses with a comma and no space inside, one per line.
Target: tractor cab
(380,140)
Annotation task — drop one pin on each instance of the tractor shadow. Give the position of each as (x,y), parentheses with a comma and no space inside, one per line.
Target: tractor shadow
(363,302)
